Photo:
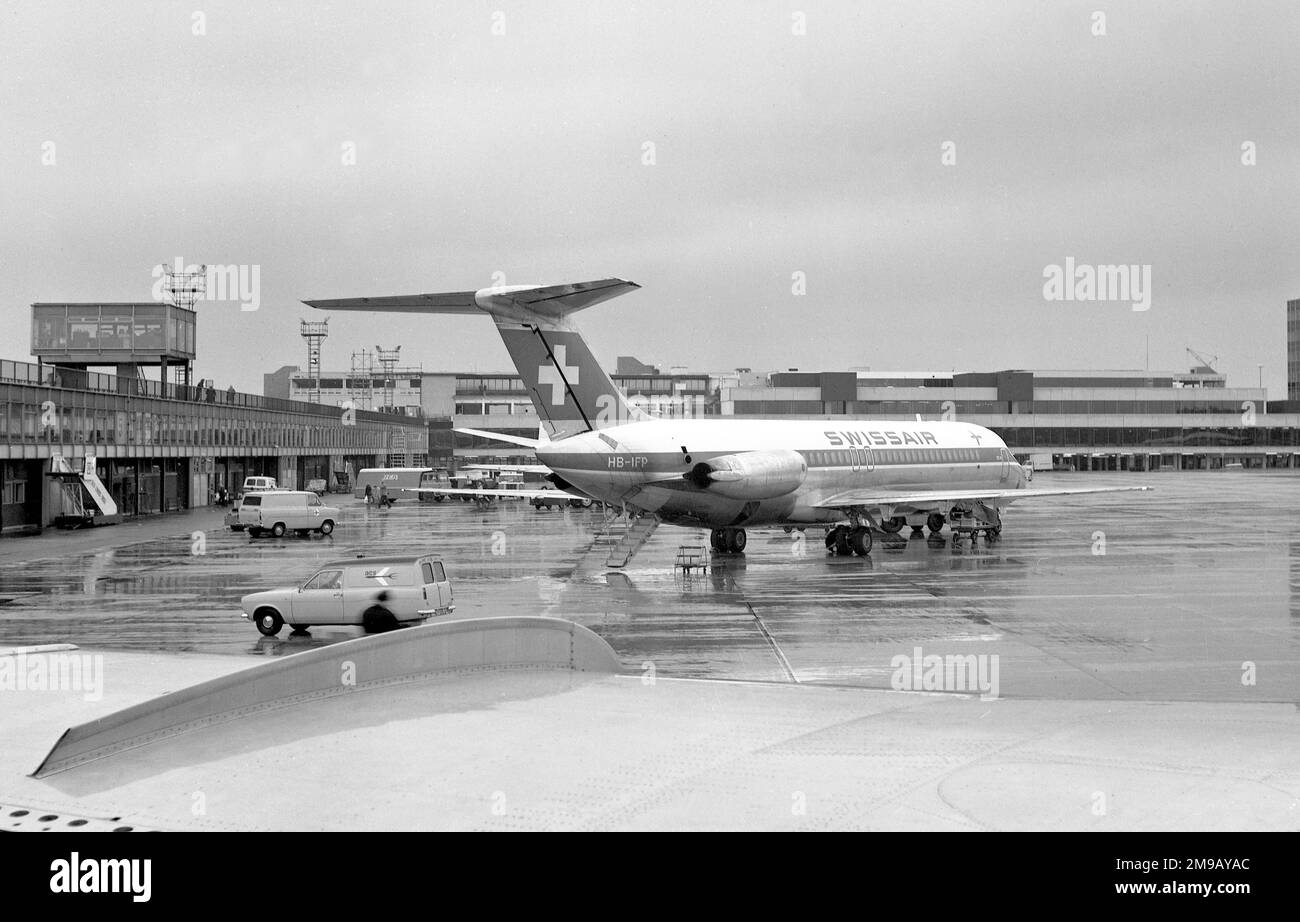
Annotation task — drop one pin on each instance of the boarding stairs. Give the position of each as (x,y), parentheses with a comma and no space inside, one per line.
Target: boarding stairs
(629,533)
(76,483)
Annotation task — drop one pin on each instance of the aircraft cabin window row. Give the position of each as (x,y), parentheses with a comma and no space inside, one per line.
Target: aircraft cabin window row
(849,457)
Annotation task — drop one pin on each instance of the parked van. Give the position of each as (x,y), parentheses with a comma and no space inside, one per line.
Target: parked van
(395,478)
(279,511)
(432,479)
(258,484)
(378,593)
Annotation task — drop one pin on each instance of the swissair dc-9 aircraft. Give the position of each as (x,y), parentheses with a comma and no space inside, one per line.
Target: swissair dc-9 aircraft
(852,476)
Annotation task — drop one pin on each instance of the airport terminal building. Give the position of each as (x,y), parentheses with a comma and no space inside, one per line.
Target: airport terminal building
(161,445)
(1073,420)
(1068,420)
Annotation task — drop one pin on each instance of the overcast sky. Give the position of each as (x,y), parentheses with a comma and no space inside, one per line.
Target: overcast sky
(524,154)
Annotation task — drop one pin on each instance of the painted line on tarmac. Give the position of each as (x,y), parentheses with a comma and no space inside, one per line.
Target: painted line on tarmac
(776,648)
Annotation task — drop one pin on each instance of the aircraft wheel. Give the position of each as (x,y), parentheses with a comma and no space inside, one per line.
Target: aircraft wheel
(934,522)
(843,546)
(832,536)
(893,526)
(736,541)
(717,540)
(860,541)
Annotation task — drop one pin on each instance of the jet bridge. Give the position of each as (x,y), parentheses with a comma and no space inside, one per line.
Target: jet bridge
(86,501)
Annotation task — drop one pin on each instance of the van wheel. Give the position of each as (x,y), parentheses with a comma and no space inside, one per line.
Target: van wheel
(326,527)
(269,622)
(377,620)
(277,530)
(254,532)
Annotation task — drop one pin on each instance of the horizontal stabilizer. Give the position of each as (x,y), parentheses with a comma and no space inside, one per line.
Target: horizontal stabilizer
(451,302)
(551,302)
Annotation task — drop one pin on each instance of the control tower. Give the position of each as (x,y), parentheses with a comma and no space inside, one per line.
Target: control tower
(126,337)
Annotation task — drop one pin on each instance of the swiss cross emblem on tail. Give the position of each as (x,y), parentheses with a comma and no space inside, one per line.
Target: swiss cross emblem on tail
(551,374)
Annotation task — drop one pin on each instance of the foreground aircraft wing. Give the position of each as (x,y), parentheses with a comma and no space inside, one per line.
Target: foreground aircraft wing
(518,494)
(521,468)
(935,498)
(511,439)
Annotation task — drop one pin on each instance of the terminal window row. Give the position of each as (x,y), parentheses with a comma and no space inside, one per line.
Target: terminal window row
(25,422)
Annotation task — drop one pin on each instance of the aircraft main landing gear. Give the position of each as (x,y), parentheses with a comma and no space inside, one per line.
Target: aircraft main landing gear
(728,540)
(845,540)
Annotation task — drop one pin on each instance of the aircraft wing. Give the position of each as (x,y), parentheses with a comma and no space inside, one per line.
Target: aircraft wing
(518,494)
(927,499)
(511,439)
(520,468)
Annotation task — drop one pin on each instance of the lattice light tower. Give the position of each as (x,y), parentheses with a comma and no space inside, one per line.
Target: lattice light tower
(314,331)
(388,361)
(184,288)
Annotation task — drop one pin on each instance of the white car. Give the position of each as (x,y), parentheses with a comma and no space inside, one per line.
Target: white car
(278,511)
(378,593)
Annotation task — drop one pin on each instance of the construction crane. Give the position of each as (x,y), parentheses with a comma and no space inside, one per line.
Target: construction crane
(1205,362)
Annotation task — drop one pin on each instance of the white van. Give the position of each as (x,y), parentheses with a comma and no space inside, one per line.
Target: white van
(378,593)
(278,511)
(258,484)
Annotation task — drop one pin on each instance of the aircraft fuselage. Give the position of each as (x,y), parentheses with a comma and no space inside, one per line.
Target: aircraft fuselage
(649,465)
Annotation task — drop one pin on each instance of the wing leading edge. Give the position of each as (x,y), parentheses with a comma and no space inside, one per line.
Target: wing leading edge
(518,494)
(935,498)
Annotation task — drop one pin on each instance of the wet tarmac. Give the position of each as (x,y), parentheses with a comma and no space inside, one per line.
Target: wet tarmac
(1188,593)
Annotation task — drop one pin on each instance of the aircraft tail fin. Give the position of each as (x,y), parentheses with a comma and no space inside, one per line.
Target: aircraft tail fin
(569,389)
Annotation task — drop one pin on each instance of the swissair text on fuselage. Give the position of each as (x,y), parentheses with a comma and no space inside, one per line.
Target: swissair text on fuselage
(888,437)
